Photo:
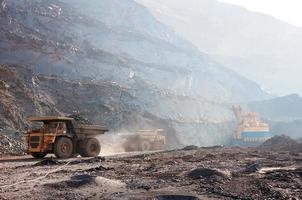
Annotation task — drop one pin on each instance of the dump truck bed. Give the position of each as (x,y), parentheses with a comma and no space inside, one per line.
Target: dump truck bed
(83,130)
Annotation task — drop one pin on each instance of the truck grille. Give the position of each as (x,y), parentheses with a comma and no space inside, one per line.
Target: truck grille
(34,138)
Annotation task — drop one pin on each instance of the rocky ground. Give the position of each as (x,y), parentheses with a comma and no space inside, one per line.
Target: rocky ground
(194,173)
(10,146)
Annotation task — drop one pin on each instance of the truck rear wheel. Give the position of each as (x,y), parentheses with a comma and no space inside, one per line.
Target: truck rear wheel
(145,146)
(63,147)
(89,147)
(92,147)
(81,148)
(38,155)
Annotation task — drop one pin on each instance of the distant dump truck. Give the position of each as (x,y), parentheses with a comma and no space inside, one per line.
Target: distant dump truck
(144,140)
(62,136)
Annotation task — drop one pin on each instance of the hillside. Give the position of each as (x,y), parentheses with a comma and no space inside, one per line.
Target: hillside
(286,108)
(256,45)
(115,63)
(283,113)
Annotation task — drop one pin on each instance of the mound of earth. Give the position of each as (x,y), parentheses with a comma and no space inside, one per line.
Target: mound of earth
(207,173)
(10,146)
(281,143)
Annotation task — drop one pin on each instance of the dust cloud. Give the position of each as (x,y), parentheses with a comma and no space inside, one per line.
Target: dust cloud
(111,144)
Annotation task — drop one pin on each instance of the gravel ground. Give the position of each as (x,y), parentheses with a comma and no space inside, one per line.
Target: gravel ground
(10,146)
(204,173)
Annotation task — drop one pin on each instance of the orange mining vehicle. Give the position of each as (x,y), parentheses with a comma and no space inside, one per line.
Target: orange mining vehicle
(62,136)
(250,128)
(144,140)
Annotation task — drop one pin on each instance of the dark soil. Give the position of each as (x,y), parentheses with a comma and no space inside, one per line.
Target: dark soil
(217,173)
(281,143)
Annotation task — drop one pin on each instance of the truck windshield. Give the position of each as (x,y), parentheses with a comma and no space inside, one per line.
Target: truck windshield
(36,125)
(48,127)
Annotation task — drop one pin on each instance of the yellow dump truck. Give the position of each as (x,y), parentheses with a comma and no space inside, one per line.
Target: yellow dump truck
(144,140)
(62,136)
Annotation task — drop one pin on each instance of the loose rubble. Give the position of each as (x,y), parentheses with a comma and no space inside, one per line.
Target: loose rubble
(207,173)
(176,197)
(10,146)
(281,143)
(80,119)
(204,173)
(47,161)
(190,147)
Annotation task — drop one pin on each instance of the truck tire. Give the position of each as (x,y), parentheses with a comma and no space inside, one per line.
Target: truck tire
(63,147)
(92,147)
(38,155)
(81,148)
(145,146)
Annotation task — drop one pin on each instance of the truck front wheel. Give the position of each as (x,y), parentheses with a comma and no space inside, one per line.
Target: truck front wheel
(63,147)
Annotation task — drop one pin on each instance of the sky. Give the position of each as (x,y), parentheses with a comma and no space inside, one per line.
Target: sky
(286,10)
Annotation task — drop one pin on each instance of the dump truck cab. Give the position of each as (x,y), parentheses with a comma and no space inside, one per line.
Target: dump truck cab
(62,136)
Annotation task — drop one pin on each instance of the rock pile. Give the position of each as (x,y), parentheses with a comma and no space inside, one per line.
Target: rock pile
(10,146)
(207,173)
(80,119)
(281,143)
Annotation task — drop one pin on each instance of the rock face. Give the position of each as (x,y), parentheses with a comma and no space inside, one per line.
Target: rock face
(113,62)
(257,46)
(18,97)
(286,108)
(29,94)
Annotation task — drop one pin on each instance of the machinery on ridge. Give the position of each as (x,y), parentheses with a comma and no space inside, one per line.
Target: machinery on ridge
(250,129)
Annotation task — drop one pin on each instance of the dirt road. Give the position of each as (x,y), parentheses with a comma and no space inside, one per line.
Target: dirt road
(220,173)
